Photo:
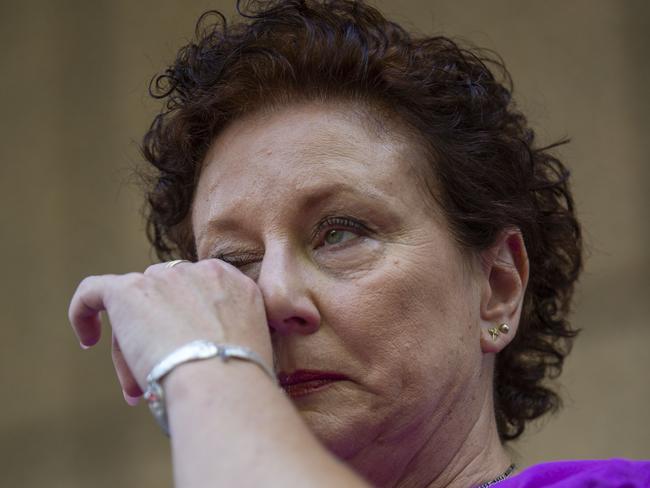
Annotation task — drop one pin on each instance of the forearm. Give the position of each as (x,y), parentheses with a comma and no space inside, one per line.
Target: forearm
(231,426)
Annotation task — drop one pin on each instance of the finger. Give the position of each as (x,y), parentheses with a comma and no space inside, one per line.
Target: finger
(85,307)
(130,388)
(219,265)
(158,267)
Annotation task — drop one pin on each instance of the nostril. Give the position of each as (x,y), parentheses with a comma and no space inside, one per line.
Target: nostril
(301,322)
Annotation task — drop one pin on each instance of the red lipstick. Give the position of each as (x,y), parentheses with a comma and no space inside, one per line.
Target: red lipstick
(303,382)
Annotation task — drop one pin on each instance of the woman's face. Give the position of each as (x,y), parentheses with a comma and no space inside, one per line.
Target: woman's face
(359,274)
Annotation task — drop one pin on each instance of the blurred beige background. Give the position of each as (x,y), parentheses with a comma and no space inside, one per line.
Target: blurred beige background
(74,106)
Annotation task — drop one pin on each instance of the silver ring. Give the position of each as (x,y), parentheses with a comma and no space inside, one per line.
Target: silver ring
(171,264)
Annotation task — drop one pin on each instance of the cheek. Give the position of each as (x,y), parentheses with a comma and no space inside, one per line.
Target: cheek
(405,325)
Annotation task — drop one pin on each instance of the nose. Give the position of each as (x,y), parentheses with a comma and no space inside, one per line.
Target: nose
(290,308)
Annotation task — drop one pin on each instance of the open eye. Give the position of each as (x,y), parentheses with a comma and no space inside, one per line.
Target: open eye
(339,230)
(336,236)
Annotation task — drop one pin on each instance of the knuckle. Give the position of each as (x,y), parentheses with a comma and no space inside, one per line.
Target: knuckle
(151,268)
(252,290)
(135,282)
(86,283)
(83,288)
(213,266)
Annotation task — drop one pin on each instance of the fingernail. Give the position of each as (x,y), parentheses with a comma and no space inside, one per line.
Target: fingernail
(83,346)
(132,401)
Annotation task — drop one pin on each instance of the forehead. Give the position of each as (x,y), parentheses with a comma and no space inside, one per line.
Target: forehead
(274,159)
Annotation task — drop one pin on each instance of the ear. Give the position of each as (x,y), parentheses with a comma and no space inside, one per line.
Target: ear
(505,276)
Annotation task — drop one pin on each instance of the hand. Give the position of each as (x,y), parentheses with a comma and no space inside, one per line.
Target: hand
(155,312)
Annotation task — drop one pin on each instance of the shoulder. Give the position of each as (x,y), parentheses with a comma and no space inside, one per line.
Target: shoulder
(610,473)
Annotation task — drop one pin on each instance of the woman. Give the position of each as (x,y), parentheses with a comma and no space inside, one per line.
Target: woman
(367,212)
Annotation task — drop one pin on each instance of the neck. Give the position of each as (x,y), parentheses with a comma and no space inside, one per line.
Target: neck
(479,458)
(450,453)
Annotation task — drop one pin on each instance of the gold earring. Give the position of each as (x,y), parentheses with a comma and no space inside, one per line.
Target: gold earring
(494,333)
(504,328)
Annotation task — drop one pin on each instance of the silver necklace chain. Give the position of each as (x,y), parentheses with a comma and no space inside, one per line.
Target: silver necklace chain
(501,477)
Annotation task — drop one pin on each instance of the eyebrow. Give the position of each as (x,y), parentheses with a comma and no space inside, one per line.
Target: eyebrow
(309,199)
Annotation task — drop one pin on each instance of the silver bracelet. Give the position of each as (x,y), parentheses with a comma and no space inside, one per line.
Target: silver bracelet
(192,351)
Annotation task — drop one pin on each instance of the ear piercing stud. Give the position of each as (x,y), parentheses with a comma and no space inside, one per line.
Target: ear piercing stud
(501,329)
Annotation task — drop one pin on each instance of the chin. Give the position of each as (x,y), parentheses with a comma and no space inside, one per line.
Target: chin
(339,437)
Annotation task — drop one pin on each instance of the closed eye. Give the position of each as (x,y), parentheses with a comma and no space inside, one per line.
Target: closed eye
(238,260)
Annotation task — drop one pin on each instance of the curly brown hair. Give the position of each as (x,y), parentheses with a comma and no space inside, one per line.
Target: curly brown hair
(489,173)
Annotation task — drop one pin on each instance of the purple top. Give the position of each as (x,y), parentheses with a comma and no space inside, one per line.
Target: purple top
(611,473)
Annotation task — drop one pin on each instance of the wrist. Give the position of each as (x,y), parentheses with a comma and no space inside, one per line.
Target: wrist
(198,350)
(211,378)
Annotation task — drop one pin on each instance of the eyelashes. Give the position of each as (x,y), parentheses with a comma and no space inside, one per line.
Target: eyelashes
(238,259)
(339,223)
(328,224)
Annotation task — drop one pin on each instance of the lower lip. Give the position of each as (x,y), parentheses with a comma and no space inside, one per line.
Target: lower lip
(306,388)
